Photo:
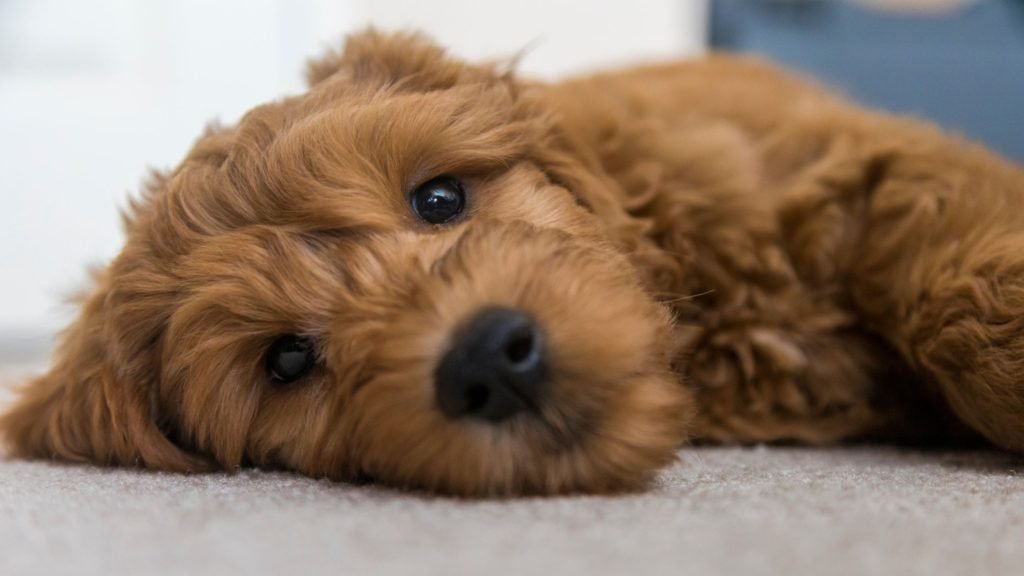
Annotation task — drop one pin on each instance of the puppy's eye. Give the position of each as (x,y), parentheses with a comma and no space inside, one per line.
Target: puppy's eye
(289,358)
(439,200)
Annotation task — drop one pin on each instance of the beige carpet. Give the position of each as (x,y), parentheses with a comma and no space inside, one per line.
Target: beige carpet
(719,511)
(744,511)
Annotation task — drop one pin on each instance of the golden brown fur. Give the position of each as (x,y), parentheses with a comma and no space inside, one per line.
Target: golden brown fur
(716,250)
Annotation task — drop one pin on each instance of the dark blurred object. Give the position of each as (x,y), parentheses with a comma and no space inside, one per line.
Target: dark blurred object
(962,66)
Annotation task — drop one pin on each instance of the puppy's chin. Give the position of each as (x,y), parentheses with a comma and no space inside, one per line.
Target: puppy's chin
(611,412)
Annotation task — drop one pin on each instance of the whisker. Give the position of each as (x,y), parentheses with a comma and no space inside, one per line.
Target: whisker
(687,297)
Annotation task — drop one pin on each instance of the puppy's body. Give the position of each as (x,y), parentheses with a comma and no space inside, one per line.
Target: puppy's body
(817,251)
(710,250)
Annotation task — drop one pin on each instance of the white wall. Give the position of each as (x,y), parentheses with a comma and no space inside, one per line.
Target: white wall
(91,93)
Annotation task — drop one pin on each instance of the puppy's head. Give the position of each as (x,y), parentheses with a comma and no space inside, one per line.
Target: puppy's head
(406,273)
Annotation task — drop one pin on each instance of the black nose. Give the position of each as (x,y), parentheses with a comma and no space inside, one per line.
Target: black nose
(495,369)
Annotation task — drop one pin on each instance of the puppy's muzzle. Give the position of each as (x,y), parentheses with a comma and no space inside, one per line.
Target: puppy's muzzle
(496,368)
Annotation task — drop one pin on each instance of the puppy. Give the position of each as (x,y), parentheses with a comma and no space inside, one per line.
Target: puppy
(437,275)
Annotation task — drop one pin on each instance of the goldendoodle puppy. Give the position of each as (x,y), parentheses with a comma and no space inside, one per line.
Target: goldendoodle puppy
(438,275)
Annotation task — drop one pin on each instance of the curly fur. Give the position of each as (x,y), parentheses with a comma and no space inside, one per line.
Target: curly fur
(717,251)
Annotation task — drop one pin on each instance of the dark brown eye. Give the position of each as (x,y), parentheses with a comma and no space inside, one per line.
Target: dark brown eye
(439,200)
(289,358)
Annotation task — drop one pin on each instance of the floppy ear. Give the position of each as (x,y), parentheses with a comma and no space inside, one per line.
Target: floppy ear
(569,162)
(94,405)
(405,57)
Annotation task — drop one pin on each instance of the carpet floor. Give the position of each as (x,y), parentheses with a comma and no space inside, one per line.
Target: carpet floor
(793,511)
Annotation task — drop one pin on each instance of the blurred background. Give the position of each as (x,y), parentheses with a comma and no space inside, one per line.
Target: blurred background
(92,93)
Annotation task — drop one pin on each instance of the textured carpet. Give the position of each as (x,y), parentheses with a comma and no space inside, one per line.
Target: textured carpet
(792,511)
(719,511)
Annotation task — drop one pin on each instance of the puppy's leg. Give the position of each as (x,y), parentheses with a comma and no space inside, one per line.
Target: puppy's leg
(822,310)
(939,271)
(770,346)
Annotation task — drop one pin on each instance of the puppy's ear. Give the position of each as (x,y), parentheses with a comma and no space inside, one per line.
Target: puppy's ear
(410,58)
(94,405)
(572,164)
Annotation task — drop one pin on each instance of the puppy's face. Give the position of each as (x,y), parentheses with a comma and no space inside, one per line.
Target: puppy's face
(402,274)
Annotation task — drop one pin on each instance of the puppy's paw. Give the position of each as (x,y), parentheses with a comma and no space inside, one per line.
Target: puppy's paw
(762,383)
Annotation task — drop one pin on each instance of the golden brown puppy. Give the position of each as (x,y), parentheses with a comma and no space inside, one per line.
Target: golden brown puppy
(437,275)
